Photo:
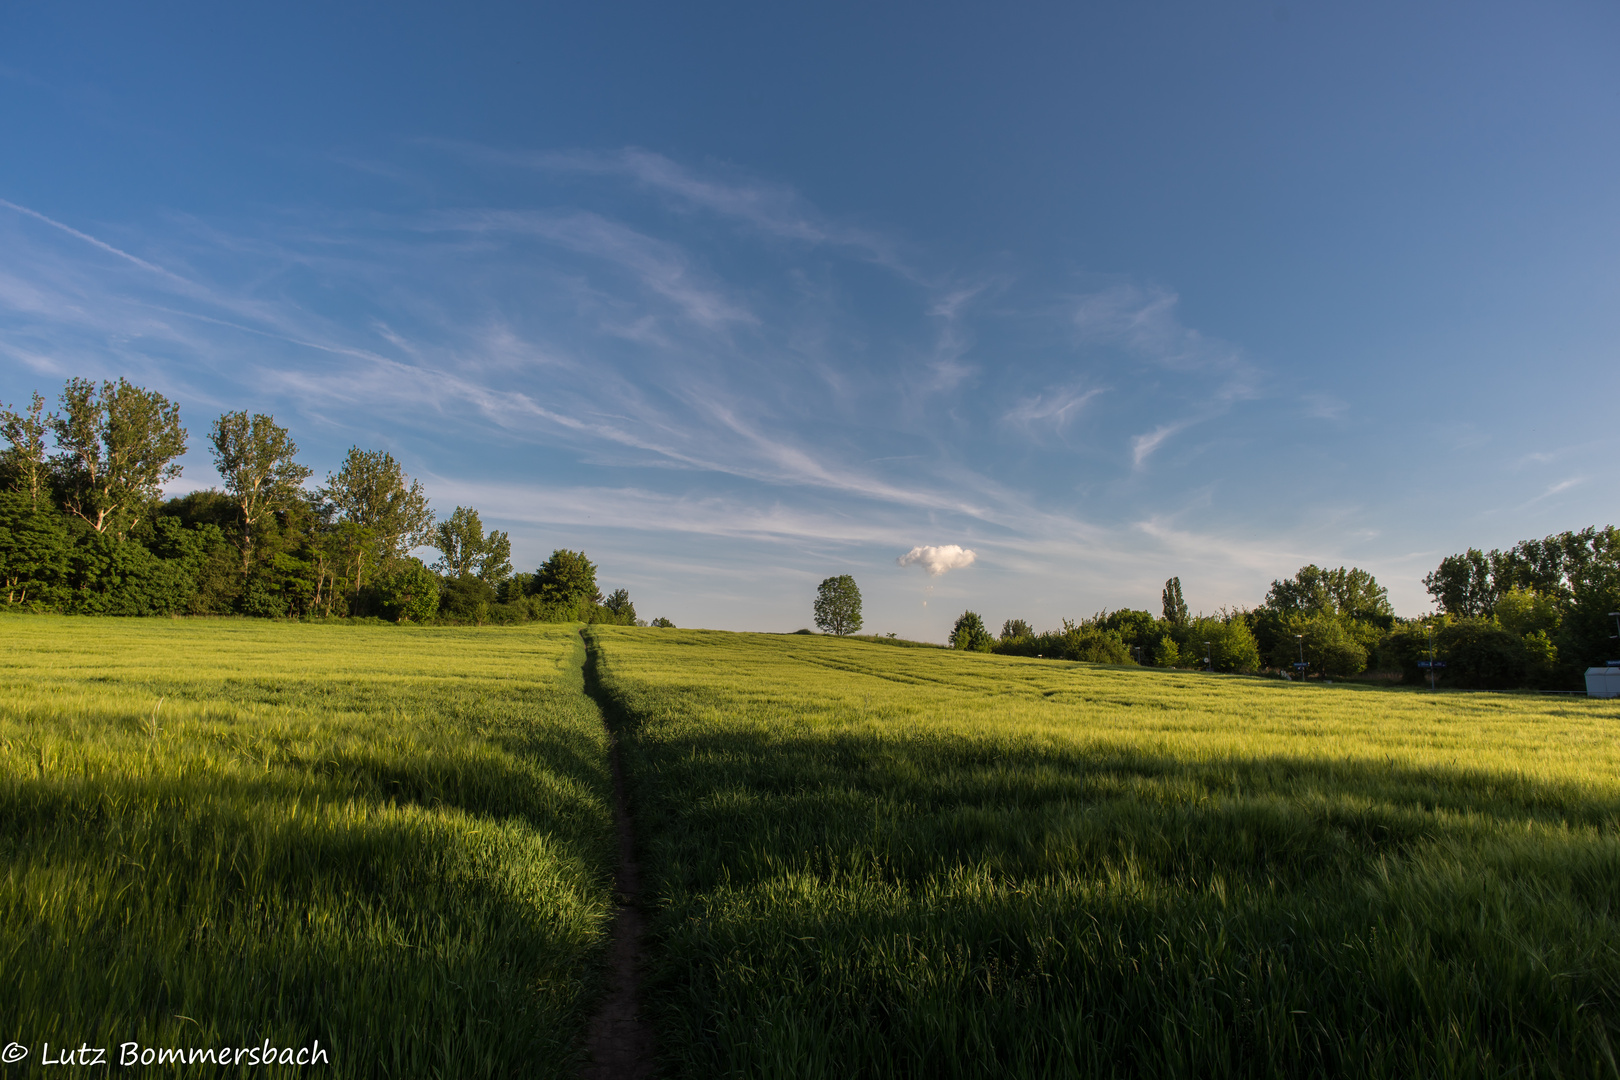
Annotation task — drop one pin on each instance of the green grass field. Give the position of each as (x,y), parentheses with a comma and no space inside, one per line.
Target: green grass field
(216,833)
(884,862)
(858,860)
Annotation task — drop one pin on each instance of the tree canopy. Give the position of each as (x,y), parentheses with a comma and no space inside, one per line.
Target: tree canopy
(1175,608)
(257,460)
(117,446)
(969,633)
(465,550)
(838,605)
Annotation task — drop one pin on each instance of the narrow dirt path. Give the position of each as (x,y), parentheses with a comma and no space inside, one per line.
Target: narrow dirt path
(619,1039)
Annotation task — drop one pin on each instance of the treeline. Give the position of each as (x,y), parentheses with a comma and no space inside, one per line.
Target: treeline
(84,528)
(1535,617)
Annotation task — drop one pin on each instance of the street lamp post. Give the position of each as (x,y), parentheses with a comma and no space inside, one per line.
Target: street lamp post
(1300,667)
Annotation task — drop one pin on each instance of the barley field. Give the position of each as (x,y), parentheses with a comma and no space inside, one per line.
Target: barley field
(217,833)
(876,862)
(857,860)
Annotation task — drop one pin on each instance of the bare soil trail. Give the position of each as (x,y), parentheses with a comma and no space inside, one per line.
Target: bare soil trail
(619,1041)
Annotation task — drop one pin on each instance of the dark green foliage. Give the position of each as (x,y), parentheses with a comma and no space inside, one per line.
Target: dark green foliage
(408,592)
(1552,596)
(1225,640)
(34,552)
(970,635)
(617,609)
(667,625)
(567,582)
(205,507)
(1137,629)
(1559,566)
(515,588)
(1481,655)
(1327,641)
(838,605)
(1016,630)
(467,598)
(1462,584)
(1314,590)
(82,531)
(1175,607)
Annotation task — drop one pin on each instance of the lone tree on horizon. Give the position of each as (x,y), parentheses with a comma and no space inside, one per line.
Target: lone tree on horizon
(838,605)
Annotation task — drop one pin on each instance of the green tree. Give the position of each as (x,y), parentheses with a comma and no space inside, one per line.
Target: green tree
(256,459)
(1016,630)
(389,516)
(408,591)
(1175,608)
(969,633)
(464,549)
(1523,611)
(1137,629)
(838,605)
(566,583)
(34,550)
(1462,585)
(25,461)
(1316,590)
(663,622)
(1088,642)
(619,608)
(1330,647)
(117,446)
(1231,647)
(1481,655)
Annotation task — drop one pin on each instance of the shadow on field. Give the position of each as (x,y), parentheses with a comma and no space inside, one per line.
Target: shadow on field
(945,906)
(420,906)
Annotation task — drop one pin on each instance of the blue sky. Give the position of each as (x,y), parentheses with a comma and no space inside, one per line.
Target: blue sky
(736,297)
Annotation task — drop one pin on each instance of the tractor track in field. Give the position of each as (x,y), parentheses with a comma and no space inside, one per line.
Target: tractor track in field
(619,1040)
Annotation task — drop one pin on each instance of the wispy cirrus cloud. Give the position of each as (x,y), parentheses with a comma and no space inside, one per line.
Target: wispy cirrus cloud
(1054,407)
(660,266)
(1143,446)
(591,348)
(1144,323)
(775,210)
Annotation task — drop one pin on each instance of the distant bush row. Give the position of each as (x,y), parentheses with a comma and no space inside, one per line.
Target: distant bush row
(1534,617)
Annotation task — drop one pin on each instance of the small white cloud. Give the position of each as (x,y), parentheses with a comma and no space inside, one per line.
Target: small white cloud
(937,560)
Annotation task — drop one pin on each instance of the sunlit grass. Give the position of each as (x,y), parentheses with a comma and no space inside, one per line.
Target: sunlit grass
(215,833)
(884,862)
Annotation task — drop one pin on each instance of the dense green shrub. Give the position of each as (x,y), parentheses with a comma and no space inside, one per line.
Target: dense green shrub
(969,633)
